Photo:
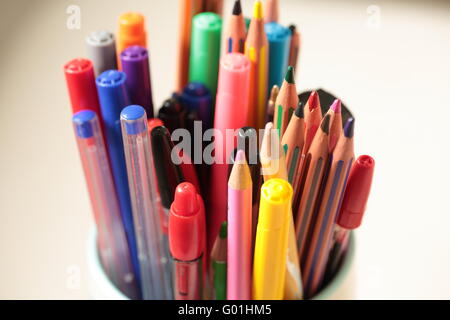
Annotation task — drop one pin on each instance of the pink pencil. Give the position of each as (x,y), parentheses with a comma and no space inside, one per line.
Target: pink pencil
(239,262)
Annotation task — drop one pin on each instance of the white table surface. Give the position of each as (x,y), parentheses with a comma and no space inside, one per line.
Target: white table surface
(394,75)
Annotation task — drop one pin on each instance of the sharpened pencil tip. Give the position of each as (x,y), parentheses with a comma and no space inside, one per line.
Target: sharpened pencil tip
(240,157)
(223,230)
(349,128)
(325,125)
(336,106)
(257,10)
(299,111)
(237,9)
(290,75)
(292,27)
(313,101)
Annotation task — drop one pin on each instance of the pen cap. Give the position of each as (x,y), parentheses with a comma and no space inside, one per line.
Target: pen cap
(279,38)
(356,193)
(113,95)
(134,60)
(275,204)
(169,174)
(80,81)
(196,96)
(172,114)
(131,31)
(205,49)
(101,49)
(134,119)
(186,224)
(85,123)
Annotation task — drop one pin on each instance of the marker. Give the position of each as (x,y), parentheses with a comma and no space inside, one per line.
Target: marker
(205,50)
(172,114)
(81,85)
(155,276)
(101,49)
(131,31)
(279,40)
(269,266)
(187,242)
(111,238)
(113,98)
(196,96)
(135,64)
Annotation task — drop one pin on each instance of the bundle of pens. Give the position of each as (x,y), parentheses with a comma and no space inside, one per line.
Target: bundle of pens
(240,208)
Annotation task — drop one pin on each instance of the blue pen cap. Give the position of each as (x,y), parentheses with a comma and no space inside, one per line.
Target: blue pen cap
(83,123)
(197,97)
(111,78)
(279,38)
(134,119)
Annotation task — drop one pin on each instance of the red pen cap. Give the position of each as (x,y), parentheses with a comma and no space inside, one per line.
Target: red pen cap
(153,123)
(356,193)
(81,85)
(186,224)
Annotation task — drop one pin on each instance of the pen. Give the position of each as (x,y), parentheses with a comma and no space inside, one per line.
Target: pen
(112,241)
(155,278)
(279,38)
(172,114)
(131,32)
(187,242)
(101,49)
(196,97)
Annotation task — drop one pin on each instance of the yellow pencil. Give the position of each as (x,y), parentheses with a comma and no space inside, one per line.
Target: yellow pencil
(269,266)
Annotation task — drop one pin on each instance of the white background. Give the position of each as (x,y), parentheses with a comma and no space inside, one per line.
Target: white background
(394,75)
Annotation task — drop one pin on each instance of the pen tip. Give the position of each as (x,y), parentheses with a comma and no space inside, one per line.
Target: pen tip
(290,75)
(299,111)
(313,101)
(325,125)
(336,106)
(349,128)
(223,230)
(257,10)
(237,9)
(185,199)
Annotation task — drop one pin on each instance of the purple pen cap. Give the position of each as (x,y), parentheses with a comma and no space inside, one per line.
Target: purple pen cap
(134,118)
(82,121)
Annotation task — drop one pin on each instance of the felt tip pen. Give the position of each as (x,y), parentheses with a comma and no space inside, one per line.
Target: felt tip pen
(101,49)
(155,276)
(187,242)
(279,42)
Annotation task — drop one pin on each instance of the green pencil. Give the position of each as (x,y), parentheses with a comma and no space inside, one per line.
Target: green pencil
(219,264)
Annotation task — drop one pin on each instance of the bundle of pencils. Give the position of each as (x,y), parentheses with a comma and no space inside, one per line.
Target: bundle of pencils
(259,207)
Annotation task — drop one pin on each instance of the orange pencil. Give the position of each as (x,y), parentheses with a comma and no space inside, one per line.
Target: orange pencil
(257,50)
(272,12)
(215,6)
(287,101)
(271,103)
(316,255)
(294,49)
(292,142)
(236,31)
(336,124)
(315,165)
(188,9)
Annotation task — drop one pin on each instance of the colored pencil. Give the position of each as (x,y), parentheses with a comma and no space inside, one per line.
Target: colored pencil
(287,101)
(336,124)
(294,48)
(236,31)
(239,230)
(215,6)
(313,117)
(271,103)
(219,264)
(256,49)
(271,9)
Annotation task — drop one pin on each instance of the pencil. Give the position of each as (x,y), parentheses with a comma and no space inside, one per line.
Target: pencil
(256,49)
(294,49)
(215,6)
(271,247)
(292,142)
(271,10)
(236,31)
(316,255)
(287,101)
(336,124)
(316,161)
(313,117)
(271,103)
(273,165)
(188,9)
(219,264)
(239,230)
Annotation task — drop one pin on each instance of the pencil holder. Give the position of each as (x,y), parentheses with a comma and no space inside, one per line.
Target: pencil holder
(340,287)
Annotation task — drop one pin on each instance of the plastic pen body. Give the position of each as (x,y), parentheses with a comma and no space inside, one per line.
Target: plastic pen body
(113,98)
(155,279)
(112,241)
(135,64)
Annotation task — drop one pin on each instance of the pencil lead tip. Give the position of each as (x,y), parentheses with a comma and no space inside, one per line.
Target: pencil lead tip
(290,75)
(257,10)
(313,101)
(299,111)
(292,27)
(325,125)
(237,9)
(240,157)
(223,230)
(349,128)
(336,106)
